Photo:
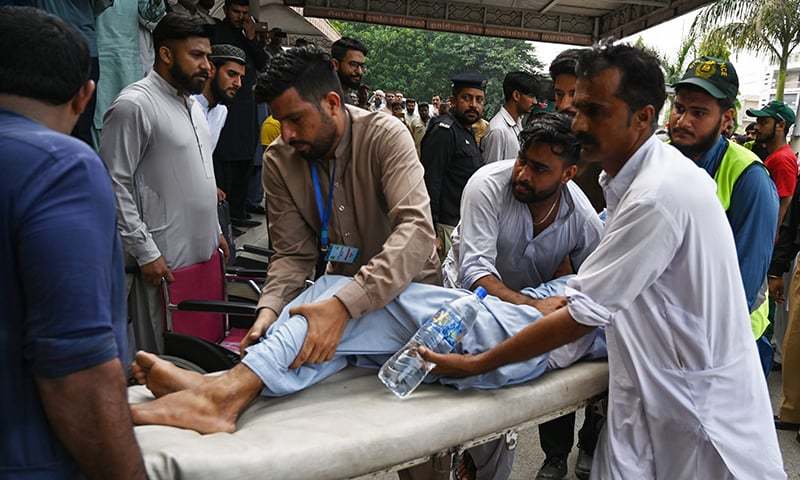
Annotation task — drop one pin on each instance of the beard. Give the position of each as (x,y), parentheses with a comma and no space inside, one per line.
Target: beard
(463,117)
(222,96)
(701,146)
(529,195)
(765,138)
(191,83)
(321,144)
(349,82)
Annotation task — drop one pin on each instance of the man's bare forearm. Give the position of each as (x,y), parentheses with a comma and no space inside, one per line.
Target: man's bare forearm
(551,331)
(494,286)
(89,413)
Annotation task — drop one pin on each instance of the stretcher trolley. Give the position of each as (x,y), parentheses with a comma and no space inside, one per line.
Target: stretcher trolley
(351,426)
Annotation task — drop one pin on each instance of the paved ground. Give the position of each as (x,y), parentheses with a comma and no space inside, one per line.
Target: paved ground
(530,457)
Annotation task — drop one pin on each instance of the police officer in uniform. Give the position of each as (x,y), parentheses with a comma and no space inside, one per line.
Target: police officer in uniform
(450,154)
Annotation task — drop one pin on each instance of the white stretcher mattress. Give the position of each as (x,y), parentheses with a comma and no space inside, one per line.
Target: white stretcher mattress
(351,425)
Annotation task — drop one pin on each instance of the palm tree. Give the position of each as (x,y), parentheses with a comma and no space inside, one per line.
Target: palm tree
(674,66)
(770,27)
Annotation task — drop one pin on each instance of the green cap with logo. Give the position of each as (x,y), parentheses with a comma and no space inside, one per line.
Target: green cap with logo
(774,109)
(714,75)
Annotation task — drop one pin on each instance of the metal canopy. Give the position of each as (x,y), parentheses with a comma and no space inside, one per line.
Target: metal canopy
(577,22)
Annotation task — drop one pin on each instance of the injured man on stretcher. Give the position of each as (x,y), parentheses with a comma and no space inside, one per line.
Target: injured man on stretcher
(213,403)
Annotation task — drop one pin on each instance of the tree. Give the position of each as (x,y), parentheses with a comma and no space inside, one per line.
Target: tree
(419,63)
(770,27)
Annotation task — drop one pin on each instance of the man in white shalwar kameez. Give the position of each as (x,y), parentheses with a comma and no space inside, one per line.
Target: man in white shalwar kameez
(686,395)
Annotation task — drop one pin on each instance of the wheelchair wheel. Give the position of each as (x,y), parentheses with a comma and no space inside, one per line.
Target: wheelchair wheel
(183,363)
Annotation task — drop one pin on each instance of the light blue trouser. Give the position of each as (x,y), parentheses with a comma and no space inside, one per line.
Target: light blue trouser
(370,340)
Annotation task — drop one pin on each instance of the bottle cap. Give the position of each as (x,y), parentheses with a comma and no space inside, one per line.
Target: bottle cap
(480,292)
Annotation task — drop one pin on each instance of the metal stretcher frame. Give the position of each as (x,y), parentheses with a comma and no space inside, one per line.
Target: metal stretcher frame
(510,434)
(350,426)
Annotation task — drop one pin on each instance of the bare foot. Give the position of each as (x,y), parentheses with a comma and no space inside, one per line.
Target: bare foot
(190,409)
(211,407)
(162,377)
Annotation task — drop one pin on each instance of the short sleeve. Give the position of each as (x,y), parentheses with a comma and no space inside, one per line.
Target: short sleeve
(783,171)
(66,239)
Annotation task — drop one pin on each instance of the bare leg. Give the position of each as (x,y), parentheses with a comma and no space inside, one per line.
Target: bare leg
(213,406)
(161,376)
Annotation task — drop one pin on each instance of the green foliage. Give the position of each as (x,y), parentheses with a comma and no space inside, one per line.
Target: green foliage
(419,63)
(769,27)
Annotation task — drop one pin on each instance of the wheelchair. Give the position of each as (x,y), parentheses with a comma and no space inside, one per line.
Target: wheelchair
(203,323)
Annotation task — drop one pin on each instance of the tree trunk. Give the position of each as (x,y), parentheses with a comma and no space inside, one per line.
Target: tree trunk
(781,82)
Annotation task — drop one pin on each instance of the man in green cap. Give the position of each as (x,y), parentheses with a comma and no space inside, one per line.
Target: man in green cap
(703,107)
(774,121)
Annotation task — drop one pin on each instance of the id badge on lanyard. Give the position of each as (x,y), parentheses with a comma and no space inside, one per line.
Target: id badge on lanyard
(328,252)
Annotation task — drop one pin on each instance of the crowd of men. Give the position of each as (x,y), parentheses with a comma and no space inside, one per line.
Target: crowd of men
(586,229)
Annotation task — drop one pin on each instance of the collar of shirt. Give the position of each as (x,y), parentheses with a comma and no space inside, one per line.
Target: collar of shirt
(516,125)
(164,85)
(343,149)
(203,101)
(615,187)
(459,125)
(710,160)
(786,149)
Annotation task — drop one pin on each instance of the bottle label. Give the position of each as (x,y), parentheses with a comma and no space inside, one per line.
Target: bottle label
(448,326)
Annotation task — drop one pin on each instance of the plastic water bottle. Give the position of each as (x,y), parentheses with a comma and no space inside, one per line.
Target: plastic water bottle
(406,369)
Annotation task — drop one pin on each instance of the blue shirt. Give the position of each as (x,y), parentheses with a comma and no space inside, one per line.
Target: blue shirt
(753,215)
(62,282)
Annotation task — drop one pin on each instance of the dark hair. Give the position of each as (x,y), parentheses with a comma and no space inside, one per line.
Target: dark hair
(564,63)
(751,126)
(307,69)
(423,104)
(237,2)
(555,130)
(340,47)
(43,58)
(641,80)
(523,82)
(177,26)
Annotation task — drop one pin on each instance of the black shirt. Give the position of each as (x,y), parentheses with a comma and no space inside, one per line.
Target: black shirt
(450,156)
(788,243)
(239,137)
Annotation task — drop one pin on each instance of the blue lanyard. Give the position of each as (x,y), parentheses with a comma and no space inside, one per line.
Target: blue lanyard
(324,213)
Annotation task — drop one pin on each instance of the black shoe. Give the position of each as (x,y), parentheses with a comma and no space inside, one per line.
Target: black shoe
(258,209)
(553,468)
(781,425)
(776,366)
(236,232)
(242,223)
